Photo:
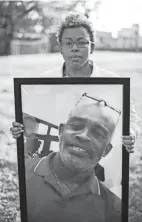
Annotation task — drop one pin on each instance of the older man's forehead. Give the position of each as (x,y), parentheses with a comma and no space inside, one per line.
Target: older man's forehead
(90,108)
(95,110)
(104,124)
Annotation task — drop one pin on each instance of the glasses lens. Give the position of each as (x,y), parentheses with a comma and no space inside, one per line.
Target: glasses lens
(82,44)
(67,44)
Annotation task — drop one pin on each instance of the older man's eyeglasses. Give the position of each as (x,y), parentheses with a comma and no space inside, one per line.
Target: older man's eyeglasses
(99,101)
(83,43)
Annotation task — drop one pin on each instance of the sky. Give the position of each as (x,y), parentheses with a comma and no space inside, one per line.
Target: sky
(116,14)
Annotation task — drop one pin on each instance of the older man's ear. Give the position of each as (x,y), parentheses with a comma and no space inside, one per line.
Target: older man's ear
(61,128)
(108,149)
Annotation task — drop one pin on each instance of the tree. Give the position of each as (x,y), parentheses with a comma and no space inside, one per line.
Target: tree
(20,17)
(12,13)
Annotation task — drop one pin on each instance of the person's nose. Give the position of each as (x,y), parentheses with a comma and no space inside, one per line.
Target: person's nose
(84,136)
(74,47)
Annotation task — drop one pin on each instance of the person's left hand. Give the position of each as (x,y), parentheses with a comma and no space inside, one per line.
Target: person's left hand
(129,142)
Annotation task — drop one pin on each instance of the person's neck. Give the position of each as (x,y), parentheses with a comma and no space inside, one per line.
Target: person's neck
(83,71)
(65,174)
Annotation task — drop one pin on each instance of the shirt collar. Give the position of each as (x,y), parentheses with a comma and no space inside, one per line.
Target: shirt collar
(95,71)
(43,169)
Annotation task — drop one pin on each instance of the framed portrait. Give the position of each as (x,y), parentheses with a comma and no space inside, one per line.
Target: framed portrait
(43,106)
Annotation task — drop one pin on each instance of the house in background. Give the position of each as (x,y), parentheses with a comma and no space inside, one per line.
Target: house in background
(128,38)
(140,42)
(29,43)
(103,40)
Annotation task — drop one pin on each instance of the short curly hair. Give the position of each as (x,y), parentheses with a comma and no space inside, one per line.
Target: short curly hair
(75,19)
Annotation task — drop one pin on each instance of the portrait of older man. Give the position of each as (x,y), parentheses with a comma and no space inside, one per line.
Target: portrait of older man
(63,186)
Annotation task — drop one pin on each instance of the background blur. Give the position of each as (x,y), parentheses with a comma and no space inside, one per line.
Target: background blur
(28,47)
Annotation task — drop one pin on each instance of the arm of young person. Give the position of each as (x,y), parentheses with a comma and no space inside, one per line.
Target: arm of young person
(129,140)
(17,129)
(31,143)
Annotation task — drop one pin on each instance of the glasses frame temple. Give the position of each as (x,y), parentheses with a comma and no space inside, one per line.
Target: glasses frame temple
(106,104)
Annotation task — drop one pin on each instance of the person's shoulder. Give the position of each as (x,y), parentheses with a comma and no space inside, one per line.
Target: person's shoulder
(102,72)
(111,197)
(30,163)
(113,204)
(54,73)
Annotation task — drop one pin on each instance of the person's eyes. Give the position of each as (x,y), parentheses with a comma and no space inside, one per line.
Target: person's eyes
(99,133)
(68,43)
(76,126)
(82,43)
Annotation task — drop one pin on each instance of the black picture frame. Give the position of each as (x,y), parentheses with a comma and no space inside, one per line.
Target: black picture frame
(125,82)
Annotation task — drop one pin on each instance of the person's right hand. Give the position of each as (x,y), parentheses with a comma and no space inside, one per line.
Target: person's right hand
(16,129)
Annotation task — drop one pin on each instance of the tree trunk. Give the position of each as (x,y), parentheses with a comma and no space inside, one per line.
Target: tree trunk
(6,30)
(5,43)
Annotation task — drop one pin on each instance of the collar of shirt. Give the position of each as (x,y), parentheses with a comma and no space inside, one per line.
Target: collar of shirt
(59,71)
(95,70)
(43,169)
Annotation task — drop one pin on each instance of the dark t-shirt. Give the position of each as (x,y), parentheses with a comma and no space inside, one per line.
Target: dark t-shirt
(46,204)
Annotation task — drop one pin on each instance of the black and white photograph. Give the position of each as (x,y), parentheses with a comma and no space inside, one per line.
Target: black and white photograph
(69,39)
(75,166)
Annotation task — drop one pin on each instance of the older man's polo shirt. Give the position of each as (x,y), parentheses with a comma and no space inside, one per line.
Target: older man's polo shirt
(92,202)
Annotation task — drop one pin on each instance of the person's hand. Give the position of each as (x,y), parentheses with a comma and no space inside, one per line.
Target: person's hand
(129,142)
(16,129)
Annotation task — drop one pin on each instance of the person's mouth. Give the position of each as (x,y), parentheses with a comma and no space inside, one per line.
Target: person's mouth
(75,57)
(75,149)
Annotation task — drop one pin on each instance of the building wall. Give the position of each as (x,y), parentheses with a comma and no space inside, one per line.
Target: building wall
(127,39)
(29,47)
(2,41)
(140,42)
(103,40)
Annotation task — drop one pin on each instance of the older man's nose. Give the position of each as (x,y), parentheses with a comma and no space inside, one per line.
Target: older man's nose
(83,136)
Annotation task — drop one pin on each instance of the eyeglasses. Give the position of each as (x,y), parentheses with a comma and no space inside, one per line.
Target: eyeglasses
(79,43)
(99,101)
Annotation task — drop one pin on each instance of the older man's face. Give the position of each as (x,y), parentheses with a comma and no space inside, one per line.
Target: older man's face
(75,55)
(86,135)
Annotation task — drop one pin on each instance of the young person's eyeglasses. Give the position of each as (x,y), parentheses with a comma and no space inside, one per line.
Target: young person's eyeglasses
(82,43)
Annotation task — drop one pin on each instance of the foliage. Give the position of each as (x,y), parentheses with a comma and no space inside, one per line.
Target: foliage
(9,205)
(17,18)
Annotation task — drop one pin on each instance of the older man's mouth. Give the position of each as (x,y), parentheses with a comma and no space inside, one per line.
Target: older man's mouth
(78,151)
